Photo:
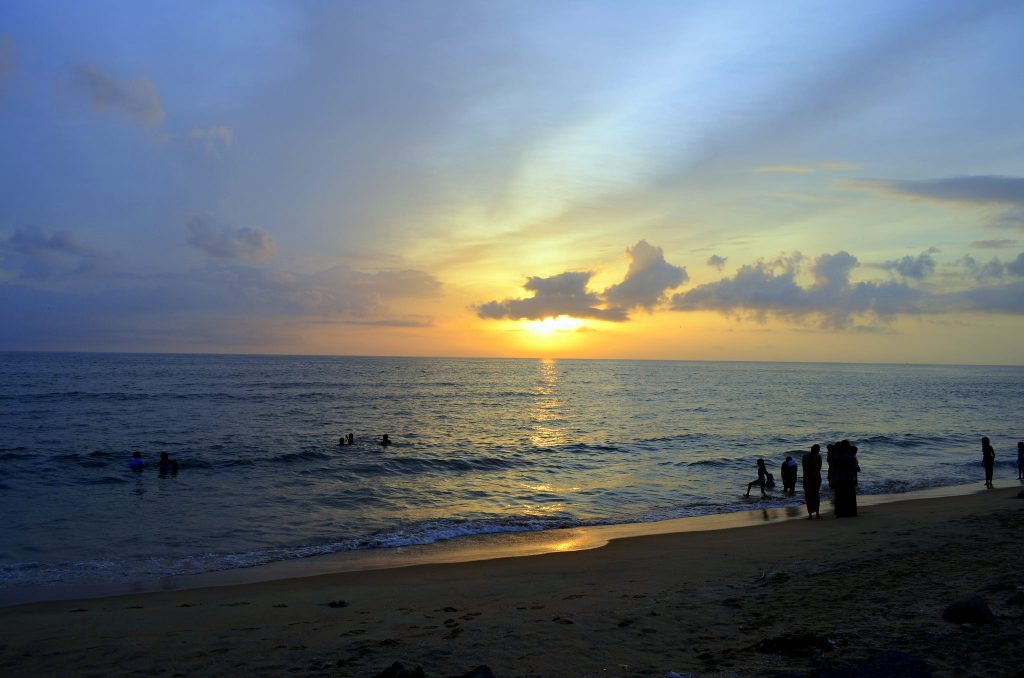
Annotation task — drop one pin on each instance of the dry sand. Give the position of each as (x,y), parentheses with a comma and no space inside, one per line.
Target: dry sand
(701,603)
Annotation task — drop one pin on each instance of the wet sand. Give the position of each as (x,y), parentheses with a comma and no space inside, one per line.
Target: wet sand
(794,597)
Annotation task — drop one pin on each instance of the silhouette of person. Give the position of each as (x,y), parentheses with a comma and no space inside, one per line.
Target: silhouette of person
(812,481)
(789,474)
(351,438)
(136,464)
(844,458)
(988,460)
(165,464)
(341,441)
(762,478)
(1020,461)
(385,441)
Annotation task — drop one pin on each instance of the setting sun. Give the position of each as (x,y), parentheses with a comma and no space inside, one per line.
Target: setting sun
(549,326)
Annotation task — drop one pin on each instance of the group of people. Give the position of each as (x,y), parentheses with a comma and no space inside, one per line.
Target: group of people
(349,439)
(842,478)
(166,465)
(842,475)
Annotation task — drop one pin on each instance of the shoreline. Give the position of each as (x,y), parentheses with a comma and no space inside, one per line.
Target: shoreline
(793,597)
(472,548)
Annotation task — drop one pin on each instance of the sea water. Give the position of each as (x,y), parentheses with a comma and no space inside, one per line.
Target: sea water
(480,446)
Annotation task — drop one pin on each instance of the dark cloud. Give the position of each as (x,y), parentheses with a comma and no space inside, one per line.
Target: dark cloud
(918,268)
(976,190)
(243,244)
(991,270)
(337,291)
(30,255)
(716,261)
(137,99)
(993,244)
(1016,267)
(771,287)
(648,279)
(35,243)
(980,191)
(562,294)
(1006,298)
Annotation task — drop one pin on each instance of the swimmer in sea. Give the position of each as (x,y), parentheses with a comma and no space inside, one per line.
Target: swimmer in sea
(168,465)
(136,464)
(385,441)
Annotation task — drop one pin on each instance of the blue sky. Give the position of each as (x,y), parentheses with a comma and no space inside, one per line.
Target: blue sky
(835,181)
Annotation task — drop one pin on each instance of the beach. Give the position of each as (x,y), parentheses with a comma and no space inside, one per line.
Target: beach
(796,597)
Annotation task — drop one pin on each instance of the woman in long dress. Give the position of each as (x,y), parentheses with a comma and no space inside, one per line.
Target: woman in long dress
(812,481)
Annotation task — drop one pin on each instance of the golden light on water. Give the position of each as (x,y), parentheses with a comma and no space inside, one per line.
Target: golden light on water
(569,545)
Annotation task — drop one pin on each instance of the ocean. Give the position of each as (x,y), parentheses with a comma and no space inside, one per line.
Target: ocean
(479,446)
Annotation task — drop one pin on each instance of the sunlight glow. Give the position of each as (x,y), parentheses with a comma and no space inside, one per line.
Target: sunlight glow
(548,326)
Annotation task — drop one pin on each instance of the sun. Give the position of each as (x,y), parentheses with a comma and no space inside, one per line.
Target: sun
(549,326)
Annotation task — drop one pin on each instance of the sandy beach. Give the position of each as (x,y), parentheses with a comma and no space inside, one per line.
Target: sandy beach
(825,597)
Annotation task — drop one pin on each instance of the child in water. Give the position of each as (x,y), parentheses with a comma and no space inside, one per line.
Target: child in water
(136,463)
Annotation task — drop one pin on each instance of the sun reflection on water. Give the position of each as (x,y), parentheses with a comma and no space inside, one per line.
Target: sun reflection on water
(547,408)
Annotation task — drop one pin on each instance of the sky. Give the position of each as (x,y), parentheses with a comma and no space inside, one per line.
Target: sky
(800,181)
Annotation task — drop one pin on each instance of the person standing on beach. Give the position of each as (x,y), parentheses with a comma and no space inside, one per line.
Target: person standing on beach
(762,476)
(988,460)
(844,458)
(812,481)
(1020,461)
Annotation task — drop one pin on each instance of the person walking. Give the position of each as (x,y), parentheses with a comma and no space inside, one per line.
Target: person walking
(762,478)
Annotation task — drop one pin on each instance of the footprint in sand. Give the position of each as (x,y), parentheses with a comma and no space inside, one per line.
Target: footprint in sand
(280,605)
(562,620)
(238,604)
(573,596)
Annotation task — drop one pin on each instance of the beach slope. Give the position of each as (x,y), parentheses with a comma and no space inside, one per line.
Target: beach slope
(797,597)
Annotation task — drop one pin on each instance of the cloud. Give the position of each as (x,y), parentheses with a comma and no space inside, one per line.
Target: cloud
(34,243)
(977,191)
(7,62)
(30,254)
(648,279)
(137,99)
(839,166)
(244,244)
(785,169)
(716,261)
(215,141)
(994,244)
(918,268)
(991,270)
(391,322)
(1016,267)
(772,287)
(336,291)
(562,294)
